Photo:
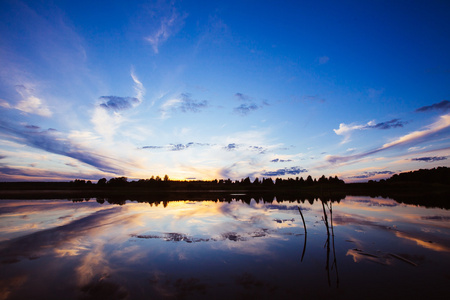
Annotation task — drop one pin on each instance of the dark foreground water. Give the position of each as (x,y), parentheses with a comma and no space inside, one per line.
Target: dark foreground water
(359,248)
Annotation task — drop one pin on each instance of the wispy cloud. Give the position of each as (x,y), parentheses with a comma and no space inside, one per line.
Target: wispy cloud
(183,103)
(30,103)
(108,115)
(10,173)
(430,158)
(442,123)
(346,130)
(138,86)
(4,104)
(285,171)
(168,24)
(55,142)
(116,103)
(414,137)
(443,105)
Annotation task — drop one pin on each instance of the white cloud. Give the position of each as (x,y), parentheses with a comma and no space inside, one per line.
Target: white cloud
(414,137)
(30,103)
(346,130)
(104,123)
(107,122)
(138,86)
(168,106)
(442,123)
(4,104)
(167,26)
(34,105)
(414,149)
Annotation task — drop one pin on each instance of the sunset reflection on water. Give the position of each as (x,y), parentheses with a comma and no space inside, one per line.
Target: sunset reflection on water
(213,249)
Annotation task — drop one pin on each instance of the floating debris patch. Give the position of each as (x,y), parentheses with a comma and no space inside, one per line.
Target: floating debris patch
(284,220)
(173,237)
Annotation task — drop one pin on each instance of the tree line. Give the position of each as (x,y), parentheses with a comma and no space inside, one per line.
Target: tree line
(436,175)
(439,175)
(245,182)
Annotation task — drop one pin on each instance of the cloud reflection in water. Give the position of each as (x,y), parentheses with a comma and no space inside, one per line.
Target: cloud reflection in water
(192,249)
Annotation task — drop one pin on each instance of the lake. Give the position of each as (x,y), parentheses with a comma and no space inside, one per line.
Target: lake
(356,248)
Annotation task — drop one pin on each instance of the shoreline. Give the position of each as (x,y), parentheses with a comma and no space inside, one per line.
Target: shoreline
(429,195)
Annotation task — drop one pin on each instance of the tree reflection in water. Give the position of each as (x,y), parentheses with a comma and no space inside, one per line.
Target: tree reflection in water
(328,225)
(213,249)
(306,233)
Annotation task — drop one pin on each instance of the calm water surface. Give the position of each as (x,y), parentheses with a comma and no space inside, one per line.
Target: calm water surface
(359,248)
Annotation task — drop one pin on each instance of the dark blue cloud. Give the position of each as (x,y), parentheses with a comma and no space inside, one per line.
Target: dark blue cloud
(190,105)
(285,171)
(443,105)
(231,147)
(280,160)
(394,123)
(371,174)
(245,109)
(242,97)
(116,103)
(177,147)
(430,158)
(257,148)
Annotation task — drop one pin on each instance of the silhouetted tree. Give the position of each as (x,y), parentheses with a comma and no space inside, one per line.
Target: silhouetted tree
(79,182)
(323,179)
(246,181)
(267,182)
(118,181)
(101,181)
(435,175)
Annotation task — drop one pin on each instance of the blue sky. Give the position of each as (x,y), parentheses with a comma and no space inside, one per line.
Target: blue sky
(223,89)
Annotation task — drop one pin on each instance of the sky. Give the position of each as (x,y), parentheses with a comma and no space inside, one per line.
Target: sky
(202,90)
